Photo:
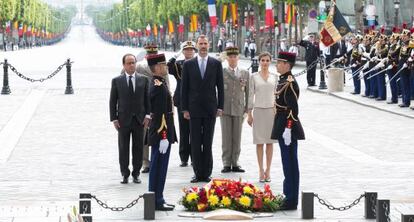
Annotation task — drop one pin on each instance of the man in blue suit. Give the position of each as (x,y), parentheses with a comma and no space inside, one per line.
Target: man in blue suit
(202,99)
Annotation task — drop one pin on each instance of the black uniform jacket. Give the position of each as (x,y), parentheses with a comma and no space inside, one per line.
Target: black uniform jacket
(162,118)
(287,95)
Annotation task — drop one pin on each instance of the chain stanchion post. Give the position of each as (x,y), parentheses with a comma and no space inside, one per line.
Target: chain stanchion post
(383,210)
(370,205)
(322,83)
(69,89)
(407,218)
(307,205)
(149,206)
(6,89)
(85,209)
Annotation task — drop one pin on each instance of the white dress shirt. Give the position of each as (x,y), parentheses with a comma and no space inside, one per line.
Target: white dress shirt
(132,79)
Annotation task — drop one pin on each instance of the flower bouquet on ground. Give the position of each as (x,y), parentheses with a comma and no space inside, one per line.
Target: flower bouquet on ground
(231,194)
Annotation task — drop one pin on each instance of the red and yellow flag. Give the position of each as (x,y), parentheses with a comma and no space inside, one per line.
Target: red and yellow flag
(170,26)
(224,13)
(290,14)
(194,24)
(155,30)
(233,7)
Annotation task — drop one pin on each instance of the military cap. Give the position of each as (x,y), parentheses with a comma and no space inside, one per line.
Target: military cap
(232,51)
(151,49)
(188,45)
(155,59)
(287,57)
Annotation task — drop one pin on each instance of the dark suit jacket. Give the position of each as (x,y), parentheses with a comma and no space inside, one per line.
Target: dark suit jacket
(122,106)
(202,97)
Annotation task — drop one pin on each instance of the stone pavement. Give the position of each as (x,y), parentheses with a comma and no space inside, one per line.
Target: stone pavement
(68,146)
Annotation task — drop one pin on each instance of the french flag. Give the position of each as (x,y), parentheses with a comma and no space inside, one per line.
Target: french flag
(148,30)
(212,12)
(270,22)
(181,26)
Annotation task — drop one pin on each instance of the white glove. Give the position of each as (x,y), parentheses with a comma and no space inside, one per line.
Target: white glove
(178,53)
(389,67)
(381,65)
(163,146)
(287,136)
(354,65)
(366,54)
(405,66)
(361,74)
(373,59)
(366,65)
(410,59)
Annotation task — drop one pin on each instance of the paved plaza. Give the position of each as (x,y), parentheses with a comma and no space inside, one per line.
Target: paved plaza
(54,146)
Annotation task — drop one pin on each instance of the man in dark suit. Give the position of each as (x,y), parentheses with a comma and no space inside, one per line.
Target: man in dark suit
(129,108)
(311,55)
(201,104)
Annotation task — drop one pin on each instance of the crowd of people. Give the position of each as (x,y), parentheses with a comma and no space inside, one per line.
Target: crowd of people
(141,106)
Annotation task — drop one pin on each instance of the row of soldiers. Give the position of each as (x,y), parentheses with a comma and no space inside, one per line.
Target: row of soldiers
(375,56)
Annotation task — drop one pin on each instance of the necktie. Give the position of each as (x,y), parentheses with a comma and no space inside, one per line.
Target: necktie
(203,67)
(130,86)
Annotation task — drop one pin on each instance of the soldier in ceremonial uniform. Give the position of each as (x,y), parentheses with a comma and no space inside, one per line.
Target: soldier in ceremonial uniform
(366,50)
(373,93)
(143,68)
(356,54)
(393,52)
(403,64)
(236,94)
(161,132)
(287,128)
(175,68)
(379,79)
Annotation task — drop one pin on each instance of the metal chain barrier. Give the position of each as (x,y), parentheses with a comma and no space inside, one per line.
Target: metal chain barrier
(59,68)
(313,64)
(105,206)
(331,207)
(373,204)
(387,211)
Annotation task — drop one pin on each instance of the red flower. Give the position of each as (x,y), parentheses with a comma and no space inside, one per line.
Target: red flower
(258,203)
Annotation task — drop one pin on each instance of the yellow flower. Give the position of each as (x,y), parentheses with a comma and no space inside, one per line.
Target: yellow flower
(191,196)
(247,190)
(245,201)
(266,200)
(213,200)
(226,201)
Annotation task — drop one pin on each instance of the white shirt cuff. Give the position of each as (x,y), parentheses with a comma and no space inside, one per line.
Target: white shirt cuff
(148,116)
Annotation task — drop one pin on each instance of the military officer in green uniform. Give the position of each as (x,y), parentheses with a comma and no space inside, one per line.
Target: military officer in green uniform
(236,93)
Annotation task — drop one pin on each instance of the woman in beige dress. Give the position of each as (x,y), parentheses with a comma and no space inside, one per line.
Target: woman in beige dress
(261,112)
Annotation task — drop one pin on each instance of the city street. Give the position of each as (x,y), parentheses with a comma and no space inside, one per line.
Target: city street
(54,146)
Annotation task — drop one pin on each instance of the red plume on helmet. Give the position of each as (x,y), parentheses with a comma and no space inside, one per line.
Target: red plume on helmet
(394,29)
(412,30)
(382,29)
(372,27)
(404,25)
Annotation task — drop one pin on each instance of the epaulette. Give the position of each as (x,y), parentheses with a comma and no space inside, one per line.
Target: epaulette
(157,82)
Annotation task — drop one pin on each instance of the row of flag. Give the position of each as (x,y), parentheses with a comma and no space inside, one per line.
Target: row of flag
(27,30)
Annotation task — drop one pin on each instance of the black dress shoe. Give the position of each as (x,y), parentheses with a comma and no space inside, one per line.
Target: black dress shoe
(171,205)
(226,169)
(195,180)
(164,207)
(145,170)
(403,105)
(379,99)
(124,180)
(208,179)
(363,95)
(392,102)
(287,207)
(183,164)
(354,93)
(137,180)
(238,169)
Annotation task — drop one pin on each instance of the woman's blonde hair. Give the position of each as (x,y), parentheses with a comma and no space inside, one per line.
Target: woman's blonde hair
(264,54)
